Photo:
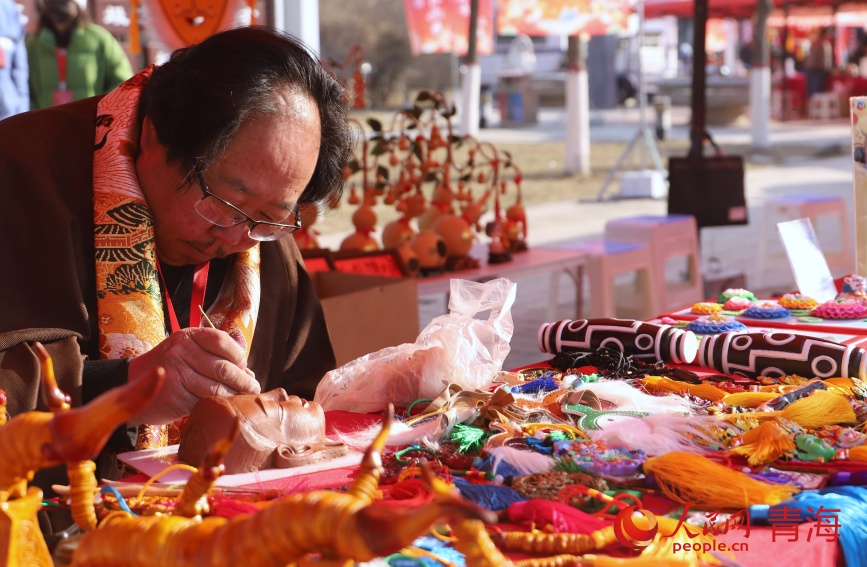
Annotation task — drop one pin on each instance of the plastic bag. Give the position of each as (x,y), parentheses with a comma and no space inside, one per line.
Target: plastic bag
(454,348)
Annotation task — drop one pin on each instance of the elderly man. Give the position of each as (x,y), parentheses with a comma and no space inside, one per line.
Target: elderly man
(121,216)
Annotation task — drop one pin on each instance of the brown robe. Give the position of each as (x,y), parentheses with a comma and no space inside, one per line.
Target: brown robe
(47,290)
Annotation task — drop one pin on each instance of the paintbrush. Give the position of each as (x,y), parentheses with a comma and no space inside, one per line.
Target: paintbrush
(208,322)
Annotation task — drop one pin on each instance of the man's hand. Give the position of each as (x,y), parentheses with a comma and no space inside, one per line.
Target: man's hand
(199,362)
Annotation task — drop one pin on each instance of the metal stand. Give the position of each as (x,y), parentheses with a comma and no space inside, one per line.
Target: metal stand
(644,137)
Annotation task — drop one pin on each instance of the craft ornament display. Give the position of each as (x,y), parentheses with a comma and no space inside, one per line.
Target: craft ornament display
(780,353)
(636,338)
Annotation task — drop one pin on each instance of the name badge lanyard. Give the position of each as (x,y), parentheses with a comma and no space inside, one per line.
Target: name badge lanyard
(61,67)
(197,298)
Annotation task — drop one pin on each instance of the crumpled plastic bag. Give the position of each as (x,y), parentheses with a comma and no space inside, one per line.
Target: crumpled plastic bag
(456,348)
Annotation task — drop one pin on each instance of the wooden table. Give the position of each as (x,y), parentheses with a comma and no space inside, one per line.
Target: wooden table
(536,260)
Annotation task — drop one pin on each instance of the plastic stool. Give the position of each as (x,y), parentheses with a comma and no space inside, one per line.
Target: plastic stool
(824,106)
(791,207)
(667,237)
(608,259)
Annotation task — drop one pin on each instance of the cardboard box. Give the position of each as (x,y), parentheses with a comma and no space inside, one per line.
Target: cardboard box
(367,313)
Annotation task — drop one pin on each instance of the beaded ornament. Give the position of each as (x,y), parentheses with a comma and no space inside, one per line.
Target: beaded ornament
(735,292)
(737,304)
(713,324)
(706,308)
(837,309)
(767,310)
(798,302)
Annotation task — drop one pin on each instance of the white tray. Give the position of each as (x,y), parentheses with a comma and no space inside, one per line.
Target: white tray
(153,461)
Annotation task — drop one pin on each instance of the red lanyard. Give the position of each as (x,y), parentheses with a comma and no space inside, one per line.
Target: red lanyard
(197,299)
(61,66)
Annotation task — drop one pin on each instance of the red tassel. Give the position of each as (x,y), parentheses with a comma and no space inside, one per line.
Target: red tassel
(410,493)
(561,517)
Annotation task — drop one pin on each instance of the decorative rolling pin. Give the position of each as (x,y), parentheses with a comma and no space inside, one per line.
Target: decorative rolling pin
(780,353)
(636,338)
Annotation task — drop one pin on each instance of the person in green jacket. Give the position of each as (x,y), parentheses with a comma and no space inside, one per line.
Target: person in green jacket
(71,58)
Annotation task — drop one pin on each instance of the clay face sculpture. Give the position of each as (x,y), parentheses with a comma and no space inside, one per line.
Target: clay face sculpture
(277,431)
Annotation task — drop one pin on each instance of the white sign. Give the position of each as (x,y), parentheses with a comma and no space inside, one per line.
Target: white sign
(812,275)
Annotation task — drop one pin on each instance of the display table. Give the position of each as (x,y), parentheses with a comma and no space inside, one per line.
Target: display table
(760,547)
(534,261)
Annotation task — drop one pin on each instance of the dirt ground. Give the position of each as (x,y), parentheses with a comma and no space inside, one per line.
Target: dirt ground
(544,180)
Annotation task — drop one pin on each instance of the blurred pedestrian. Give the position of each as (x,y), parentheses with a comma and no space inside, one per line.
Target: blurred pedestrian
(820,62)
(70,57)
(14,93)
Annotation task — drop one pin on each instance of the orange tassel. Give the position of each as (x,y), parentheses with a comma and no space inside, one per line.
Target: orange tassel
(858,454)
(658,384)
(134,41)
(765,444)
(691,479)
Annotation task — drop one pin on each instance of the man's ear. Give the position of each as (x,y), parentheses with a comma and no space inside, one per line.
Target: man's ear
(148,140)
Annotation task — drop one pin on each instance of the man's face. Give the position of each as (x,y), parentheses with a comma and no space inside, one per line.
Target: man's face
(61,12)
(263,173)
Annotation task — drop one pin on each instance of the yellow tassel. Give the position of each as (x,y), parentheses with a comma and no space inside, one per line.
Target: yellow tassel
(858,454)
(692,479)
(641,561)
(840,385)
(819,408)
(134,42)
(661,548)
(660,384)
(749,399)
(765,444)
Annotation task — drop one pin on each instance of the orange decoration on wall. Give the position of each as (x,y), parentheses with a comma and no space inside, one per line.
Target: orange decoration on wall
(184,22)
(134,41)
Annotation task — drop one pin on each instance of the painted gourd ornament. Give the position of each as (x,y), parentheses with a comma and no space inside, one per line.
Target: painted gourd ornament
(515,227)
(456,233)
(305,237)
(396,233)
(409,257)
(431,250)
(364,220)
(359,241)
(427,218)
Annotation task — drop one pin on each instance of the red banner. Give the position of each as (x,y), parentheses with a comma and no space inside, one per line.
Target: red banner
(563,17)
(443,26)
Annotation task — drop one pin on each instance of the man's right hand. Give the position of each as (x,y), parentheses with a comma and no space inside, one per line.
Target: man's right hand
(199,362)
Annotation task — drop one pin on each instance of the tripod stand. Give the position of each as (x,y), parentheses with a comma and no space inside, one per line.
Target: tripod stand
(644,138)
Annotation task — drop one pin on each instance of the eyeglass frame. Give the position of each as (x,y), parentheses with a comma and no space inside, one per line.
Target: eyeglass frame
(206,192)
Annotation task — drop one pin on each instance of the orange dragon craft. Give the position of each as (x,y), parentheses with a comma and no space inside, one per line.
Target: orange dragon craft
(37,440)
(322,528)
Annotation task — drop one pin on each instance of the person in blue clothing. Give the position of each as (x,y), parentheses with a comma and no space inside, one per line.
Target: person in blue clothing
(14,91)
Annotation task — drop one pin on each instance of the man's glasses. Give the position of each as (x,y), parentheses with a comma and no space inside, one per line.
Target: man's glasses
(224,214)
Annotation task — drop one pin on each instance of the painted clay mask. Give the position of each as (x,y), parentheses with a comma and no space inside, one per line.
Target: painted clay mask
(277,431)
